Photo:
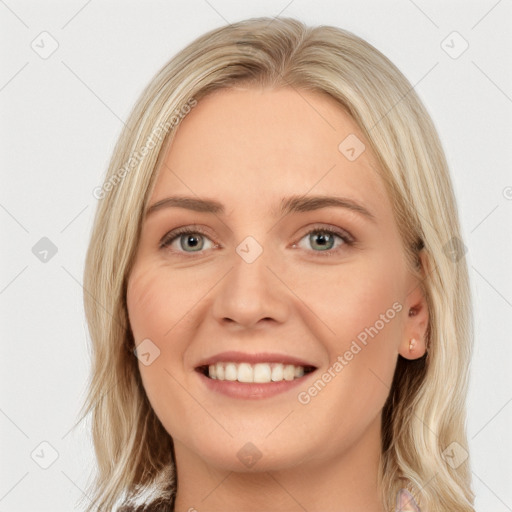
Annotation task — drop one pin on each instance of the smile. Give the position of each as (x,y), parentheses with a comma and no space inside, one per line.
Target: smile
(244,375)
(254,373)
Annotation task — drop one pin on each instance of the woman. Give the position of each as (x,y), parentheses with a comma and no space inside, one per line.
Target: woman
(276,292)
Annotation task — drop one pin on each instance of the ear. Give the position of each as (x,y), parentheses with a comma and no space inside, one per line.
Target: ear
(414,342)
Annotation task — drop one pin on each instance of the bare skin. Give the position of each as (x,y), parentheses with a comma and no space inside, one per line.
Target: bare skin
(248,148)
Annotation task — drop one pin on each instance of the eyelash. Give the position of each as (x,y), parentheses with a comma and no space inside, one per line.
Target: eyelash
(348,240)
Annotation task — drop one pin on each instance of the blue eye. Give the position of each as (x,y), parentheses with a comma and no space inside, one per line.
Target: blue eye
(193,240)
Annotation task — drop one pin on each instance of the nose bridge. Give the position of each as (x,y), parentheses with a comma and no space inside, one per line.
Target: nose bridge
(250,291)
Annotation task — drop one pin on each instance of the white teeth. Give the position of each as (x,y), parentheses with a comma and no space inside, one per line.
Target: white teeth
(277,373)
(259,372)
(289,372)
(231,372)
(245,373)
(262,372)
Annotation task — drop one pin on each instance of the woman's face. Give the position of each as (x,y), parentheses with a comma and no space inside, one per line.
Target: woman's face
(260,291)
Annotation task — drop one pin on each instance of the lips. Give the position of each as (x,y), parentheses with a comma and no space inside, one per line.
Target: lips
(245,375)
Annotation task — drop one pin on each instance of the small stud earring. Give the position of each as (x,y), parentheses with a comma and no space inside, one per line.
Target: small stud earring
(412,342)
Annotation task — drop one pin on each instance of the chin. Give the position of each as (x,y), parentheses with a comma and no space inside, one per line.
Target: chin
(250,456)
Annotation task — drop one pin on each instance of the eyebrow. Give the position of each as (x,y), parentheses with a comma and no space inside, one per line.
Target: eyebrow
(287,205)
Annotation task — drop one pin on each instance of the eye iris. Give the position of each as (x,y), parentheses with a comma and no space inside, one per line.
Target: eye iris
(193,240)
(322,237)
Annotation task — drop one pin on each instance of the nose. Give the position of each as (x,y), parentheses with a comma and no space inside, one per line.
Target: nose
(251,295)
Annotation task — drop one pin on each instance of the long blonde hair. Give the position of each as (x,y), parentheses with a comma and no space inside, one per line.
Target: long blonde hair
(423,427)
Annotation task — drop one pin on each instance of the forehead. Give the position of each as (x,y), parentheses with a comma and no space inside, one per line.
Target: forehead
(252,146)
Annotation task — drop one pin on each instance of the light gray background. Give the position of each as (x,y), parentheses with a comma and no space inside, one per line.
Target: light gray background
(60,117)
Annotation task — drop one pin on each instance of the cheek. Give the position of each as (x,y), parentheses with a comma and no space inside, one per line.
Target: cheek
(357,297)
(159,302)
(156,313)
(153,312)
(363,306)
(145,295)
(364,310)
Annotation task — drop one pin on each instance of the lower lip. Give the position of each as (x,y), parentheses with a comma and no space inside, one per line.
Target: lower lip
(251,391)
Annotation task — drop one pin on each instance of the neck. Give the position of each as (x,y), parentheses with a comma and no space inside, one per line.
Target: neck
(344,482)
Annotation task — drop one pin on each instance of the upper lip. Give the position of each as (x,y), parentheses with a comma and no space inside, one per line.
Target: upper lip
(260,357)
